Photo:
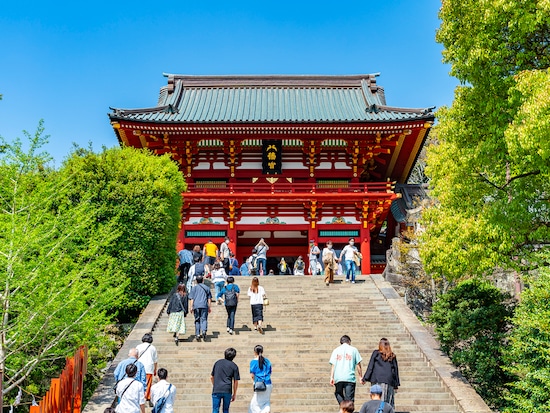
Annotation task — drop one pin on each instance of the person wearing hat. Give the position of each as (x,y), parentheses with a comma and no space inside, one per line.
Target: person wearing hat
(374,405)
(314,252)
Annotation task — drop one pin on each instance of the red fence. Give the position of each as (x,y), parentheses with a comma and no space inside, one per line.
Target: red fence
(65,394)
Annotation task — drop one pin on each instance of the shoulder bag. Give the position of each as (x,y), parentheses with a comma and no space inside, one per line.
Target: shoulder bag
(259,386)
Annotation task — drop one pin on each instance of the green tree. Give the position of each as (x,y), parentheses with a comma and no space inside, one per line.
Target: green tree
(52,298)
(529,349)
(135,197)
(489,168)
(472,323)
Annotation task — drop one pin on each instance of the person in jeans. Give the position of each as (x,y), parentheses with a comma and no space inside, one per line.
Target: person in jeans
(200,305)
(261,250)
(231,298)
(225,381)
(344,360)
(348,254)
(218,278)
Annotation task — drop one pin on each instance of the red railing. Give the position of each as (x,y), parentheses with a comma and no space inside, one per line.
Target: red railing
(65,394)
(286,187)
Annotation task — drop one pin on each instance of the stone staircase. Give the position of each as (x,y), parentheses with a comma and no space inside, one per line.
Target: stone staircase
(304,323)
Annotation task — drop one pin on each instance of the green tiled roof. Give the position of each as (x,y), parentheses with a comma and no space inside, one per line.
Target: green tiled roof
(234,99)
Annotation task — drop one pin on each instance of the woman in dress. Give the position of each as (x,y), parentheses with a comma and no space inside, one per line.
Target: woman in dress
(383,370)
(260,370)
(178,309)
(257,293)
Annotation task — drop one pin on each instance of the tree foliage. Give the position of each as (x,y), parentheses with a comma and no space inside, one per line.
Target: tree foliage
(79,246)
(529,353)
(489,168)
(51,299)
(490,177)
(472,323)
(134,197)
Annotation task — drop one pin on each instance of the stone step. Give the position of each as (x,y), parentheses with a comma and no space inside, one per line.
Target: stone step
(305,320)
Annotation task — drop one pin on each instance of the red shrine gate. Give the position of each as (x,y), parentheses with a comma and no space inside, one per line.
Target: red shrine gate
(286,158)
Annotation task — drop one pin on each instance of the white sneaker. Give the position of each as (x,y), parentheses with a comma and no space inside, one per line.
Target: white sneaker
(353,282)
(230,331)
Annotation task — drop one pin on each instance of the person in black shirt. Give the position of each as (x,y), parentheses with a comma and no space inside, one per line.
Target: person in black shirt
(225,381)
(384,371)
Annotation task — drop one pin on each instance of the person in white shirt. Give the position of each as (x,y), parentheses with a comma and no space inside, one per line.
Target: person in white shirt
(163,389)
(348,253)
(130,393)
(218,278)
(149,358)
(257,294)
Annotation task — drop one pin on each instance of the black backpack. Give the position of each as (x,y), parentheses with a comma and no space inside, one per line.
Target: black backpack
(230,296)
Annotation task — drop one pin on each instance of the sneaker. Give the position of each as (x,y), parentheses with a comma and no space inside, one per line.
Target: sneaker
(326,283)
(177,341)
(260,330)
(198,338)
(230,331)
(347,280)
(353,282)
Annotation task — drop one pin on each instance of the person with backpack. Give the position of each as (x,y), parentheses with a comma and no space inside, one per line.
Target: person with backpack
(252,263)
(196,269)
(163,394)
(376,404)
(219,276)
(231,298)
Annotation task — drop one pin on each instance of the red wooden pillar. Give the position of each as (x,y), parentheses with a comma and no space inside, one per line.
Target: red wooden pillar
(232,234)
(364,235)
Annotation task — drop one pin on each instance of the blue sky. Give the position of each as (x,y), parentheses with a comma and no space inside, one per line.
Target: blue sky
(68,62)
